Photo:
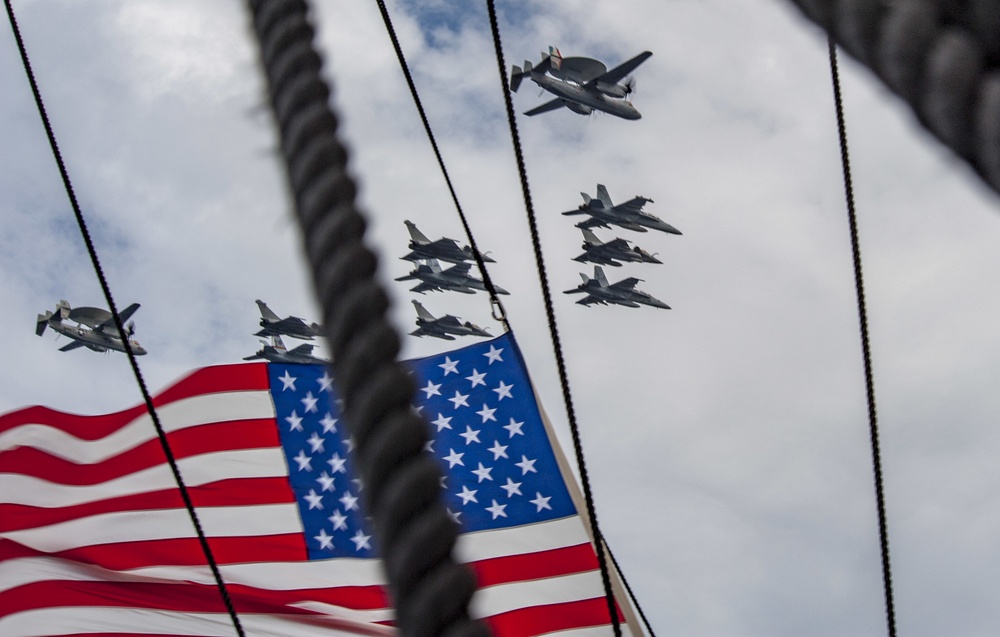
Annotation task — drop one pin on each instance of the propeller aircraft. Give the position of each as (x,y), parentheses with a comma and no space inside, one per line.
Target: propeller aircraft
(95,328)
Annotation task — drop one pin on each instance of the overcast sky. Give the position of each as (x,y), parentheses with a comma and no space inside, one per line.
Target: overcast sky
(727,438)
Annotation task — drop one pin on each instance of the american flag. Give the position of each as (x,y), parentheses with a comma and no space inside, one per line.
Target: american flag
(94,539)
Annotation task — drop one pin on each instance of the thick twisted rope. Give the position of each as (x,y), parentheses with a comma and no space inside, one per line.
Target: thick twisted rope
(429,589)
(941,57)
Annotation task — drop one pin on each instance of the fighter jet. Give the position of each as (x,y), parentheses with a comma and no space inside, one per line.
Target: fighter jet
(621,293)
(596,251)
(290,326)
(95,328)
(582,85)
(443,249)
(629,215)
(456,278)
(446,327)
(275,352)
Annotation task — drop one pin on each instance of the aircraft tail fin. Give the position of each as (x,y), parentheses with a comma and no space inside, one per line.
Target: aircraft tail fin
(62,310)
(278,344)
(516,75)
(602,194)
(421,312)
(415,234)
(43,322)
(590,237)
(599,275)
(266,311)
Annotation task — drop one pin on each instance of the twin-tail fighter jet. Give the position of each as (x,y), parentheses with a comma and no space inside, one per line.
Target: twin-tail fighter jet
(276,352)
(455,279)
(623,292)
(629,215)
(582,85)
(291,326)
(443,249)
(611,252)
(446,327)
(95,328)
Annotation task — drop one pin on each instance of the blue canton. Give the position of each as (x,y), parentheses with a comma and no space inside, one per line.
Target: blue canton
(486,431)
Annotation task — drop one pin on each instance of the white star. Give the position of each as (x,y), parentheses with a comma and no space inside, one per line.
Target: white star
(337,463)
(476,378)
(349,443)
(459,399)
(442,422)
(325,541)
(503,390)
(454,458)
(325,382)
(494,355)
(487,413)
(309,402)
(432,389)
(497,510)
(294,421)
(417,409)
(329,423)
(350,501)
(512,488)
(449,366)
(326,481)
(288,381)
(483,472)
(470,435)
(316,442)
(454,515)
(357,482)
(540,502)
(429,446)
(467,495)
(514,428)
(314,499)
(499,450)
(526,465)
(339,520)
(361,541)
(303,460)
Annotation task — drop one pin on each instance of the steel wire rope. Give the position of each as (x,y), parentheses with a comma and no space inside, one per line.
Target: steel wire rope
(943,58)
(628,589)
(865,344)
(416,535)
(487,281)
(553,327)
(106,289)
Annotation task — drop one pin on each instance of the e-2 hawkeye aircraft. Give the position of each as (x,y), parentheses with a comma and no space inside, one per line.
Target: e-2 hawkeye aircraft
(582,85)
(95,328)
(598,290)
(446,327)
(629,215)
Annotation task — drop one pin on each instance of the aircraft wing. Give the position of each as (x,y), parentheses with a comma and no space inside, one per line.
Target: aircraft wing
(590,300)
(617,244)
(625,284)
(593,222)
(71,346)
(546,107)
(305,348)
(445,244)
(125,315)
(618,73)
(633,205)
(459,268)
(424,286)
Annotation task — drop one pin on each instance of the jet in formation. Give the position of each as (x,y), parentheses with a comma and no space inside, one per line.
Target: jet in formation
(598,290)
(610,253)
(629,215)
(455,279)
(276,352)
(446,327)
(291,326)
(582,85)
(443,249)
(95,328)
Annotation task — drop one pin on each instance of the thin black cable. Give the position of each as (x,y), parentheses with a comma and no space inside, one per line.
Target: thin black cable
(553,328)
(628,589)
(865,344)
(487,282)
(118,324)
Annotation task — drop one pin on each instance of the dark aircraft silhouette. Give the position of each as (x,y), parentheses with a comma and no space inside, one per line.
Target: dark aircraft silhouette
(610,253)
(275,352)
(629,215)
(446,327)
(290,326)
(456,279)
(443,249)
(621,293)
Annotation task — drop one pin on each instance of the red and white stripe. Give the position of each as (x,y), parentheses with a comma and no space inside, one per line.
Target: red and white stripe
(94,538)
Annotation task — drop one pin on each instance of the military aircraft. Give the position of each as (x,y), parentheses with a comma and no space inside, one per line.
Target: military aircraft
(629,215)
(456,278)
(290,326)
(446,327)
(597,251)
(95,328)
(621,293)
(582,85)
(443,249)
(275,352)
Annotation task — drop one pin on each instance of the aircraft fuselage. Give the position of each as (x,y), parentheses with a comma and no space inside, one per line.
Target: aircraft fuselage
(590,98)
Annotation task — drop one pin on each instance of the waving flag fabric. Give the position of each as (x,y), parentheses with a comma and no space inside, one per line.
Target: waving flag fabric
(94,539)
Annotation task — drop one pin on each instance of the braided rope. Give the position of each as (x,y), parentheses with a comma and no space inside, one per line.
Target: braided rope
(941,57)
(430,590)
